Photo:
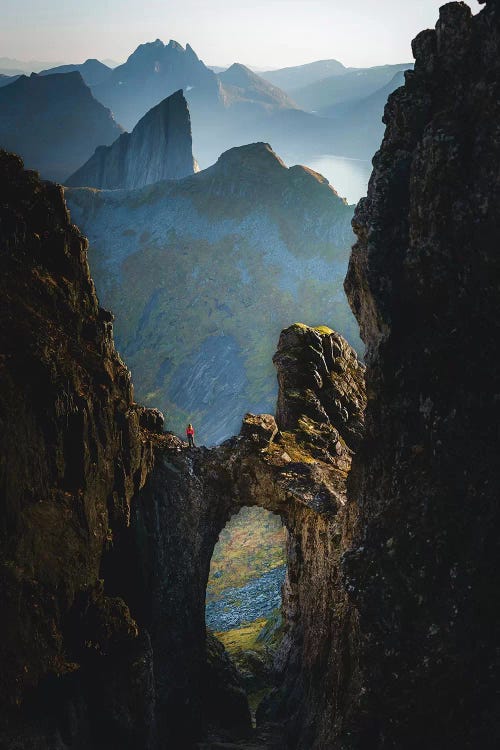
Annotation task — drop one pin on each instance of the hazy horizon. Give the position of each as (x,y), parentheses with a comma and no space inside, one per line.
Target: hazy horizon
(273,34)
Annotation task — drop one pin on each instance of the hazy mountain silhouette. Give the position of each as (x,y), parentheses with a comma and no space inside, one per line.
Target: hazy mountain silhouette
(53,122)
(92,71)
(10,66)
(6,80)
(357,126)
(299,76)
(354,84)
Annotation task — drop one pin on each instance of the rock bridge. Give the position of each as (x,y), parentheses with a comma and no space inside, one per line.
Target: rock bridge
(295,466)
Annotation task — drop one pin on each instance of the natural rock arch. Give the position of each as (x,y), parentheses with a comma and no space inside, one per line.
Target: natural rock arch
(298,473)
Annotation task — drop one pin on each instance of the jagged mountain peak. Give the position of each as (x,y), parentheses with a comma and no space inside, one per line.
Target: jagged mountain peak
(159,148)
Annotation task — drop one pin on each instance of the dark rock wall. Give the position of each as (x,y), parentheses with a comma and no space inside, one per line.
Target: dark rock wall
(423,282)
(158,148)
(72,455)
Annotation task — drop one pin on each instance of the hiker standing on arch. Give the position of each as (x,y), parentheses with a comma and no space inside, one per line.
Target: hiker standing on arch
(190,435)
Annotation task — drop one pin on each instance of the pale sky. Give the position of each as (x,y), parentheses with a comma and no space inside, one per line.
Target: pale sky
(264,33)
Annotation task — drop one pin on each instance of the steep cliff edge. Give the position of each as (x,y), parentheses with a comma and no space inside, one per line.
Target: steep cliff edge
(158,148)
(73,453)
(423,282)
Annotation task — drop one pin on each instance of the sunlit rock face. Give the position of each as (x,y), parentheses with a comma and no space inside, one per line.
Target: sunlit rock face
(158,148)
(423,282)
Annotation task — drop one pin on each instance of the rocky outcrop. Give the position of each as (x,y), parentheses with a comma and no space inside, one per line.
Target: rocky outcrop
(423,282)
(158,148)
(250,236)
(73,454)
(54,123)
(320,381)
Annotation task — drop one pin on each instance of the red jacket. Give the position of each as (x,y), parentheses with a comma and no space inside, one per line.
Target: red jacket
(190,431)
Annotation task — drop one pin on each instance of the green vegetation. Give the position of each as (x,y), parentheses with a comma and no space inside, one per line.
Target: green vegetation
(251,544)
(202,275)
(242,639)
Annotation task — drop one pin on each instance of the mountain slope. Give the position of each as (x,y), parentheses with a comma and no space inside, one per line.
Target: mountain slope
(355,84)
(202,272)
(298,76)
(357,127)
(159,148)
(367,110)
(6,80)
(53,122)
(92,71)
(243,85)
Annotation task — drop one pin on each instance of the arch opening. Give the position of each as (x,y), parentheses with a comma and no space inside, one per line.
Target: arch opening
(244,596)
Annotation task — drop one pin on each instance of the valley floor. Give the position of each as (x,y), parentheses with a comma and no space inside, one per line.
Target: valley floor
(268,737)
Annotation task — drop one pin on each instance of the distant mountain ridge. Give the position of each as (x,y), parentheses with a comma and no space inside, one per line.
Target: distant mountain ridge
(354,84)
(297,76)
(53,122)
(240,84)
(92,71)
(10,66)
(159,148)
(357,125)
(202,272)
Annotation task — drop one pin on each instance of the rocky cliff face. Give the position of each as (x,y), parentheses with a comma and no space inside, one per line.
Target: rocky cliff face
(73,453)
(423,282)
(158,148)
(203,273)
(54,123)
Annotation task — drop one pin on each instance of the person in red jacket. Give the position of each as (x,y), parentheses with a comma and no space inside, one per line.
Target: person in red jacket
(190,435)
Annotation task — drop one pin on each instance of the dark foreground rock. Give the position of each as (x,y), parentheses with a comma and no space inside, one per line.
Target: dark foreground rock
(423,282)
(73,454)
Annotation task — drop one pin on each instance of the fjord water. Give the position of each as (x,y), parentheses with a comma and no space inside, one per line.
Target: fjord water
(348,176)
